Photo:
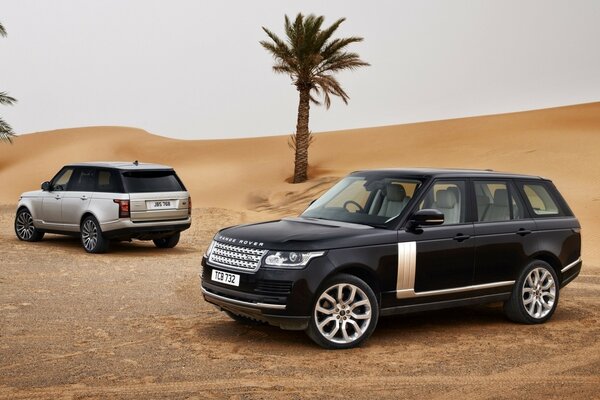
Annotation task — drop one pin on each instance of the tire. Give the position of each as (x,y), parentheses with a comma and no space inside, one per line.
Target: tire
(167,242)
(92,239)
(24,228)
(334,323)
(244,320)
(535,295)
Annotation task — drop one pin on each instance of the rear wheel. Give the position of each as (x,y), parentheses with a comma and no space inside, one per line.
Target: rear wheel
(167,242)
(345,313)
(535,295)
(24,227)
(91,236)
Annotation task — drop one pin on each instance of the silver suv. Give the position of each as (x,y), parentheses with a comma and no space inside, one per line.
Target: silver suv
(105,201)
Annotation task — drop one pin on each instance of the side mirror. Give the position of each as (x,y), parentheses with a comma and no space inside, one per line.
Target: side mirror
(46,186)
(426,217)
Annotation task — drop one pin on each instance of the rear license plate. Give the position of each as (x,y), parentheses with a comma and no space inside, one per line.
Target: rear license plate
(160,204)
(225,277)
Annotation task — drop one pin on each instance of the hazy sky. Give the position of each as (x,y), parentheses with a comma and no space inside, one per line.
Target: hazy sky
(195,69)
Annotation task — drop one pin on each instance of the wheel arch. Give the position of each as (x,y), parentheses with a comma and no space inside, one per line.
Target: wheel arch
(362,272)
(551,259)
(85,215)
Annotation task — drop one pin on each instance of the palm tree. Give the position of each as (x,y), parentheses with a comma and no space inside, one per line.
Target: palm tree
(310,57)
(6,132)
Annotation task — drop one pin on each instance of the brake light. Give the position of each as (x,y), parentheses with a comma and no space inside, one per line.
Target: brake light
(190,205)
(123,208)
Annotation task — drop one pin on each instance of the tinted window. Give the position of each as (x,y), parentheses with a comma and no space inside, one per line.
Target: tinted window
(449,198)
(108,181)
(493,202)
(151,181)
(62,179)
(82,180)
(373,200)
(540,200)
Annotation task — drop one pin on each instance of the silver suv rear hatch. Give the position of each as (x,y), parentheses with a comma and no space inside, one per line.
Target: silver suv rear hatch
(156,195)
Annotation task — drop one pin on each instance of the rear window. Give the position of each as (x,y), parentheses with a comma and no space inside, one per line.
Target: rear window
(541,201)
(152,181)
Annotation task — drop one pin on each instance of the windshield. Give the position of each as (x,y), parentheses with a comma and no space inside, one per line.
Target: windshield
(152,181)
(371,201)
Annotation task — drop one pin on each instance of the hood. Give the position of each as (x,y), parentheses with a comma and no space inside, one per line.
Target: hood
(33,193)
(305,234)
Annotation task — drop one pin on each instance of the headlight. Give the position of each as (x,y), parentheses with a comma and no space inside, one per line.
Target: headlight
(210,249)
(290,259)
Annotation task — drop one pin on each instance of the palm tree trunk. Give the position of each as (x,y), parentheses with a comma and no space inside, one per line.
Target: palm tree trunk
(301,157)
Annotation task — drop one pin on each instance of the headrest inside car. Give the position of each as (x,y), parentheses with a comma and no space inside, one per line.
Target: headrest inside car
(395,192)
(446,199)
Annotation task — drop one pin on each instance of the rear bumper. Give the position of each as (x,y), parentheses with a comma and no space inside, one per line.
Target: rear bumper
(570,272)
(125,229)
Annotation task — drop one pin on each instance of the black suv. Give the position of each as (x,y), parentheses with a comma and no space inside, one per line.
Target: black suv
(388,242)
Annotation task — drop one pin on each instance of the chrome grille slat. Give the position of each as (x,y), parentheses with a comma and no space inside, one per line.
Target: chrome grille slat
(236,257)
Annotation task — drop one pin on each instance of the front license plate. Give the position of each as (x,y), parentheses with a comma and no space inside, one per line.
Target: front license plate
(160,204)
(225,277)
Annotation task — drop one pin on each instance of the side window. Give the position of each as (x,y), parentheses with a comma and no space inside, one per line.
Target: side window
(59,183)
(108,181)
(449,198)
(494,204)
(540,200)
(83,180)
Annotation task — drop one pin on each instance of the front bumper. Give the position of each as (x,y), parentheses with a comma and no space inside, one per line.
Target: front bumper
(279,297)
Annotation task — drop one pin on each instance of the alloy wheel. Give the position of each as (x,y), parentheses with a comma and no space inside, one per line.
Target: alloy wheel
(24,225)
(343,313)
(539,293)
(89,235)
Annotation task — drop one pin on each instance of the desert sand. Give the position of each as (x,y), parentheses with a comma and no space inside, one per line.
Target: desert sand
(250,175)
(132,324)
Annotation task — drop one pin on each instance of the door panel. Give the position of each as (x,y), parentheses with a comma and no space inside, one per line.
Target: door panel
(502,249)
(76,199)
(445,254)
(445,257)
(52,207)
(52,201)
(505,236)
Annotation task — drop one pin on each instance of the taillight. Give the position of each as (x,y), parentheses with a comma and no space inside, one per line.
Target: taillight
(123,208)
(190,205)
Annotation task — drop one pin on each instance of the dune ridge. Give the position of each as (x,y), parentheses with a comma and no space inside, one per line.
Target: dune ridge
(251,175)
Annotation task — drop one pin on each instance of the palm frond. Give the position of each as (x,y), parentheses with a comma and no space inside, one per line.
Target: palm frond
(310,56)
(292,140)
(5,99)
(6,132)
(2,30)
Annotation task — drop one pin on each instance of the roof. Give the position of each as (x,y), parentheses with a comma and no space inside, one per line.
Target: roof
(445,173)
(128,165)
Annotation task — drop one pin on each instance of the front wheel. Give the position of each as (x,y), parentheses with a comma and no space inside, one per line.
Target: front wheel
(345,313)
(167,242)
(91,236)
(535,295)
(24,227)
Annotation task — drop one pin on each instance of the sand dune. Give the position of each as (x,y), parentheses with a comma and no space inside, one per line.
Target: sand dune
(250,174)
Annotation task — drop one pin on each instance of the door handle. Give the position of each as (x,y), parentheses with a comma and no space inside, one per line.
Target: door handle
(84,197)
(460,237)
(523,232)
(57,197)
